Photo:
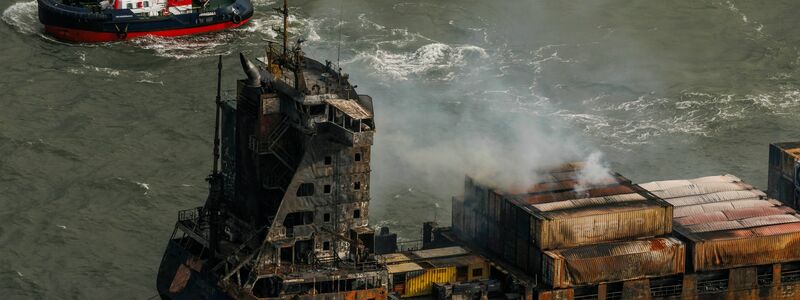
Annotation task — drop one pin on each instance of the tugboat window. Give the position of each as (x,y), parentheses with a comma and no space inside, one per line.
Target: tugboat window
(146,4)
(305,190)
(130,5)
(357,214)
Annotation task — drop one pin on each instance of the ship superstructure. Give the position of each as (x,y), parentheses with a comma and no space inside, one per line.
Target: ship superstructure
(287,212)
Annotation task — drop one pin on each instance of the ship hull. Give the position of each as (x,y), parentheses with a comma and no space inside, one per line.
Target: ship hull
(76,24)
(182,275)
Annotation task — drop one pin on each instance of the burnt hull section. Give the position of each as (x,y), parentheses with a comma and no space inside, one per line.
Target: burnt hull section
(183,275)
(78,24)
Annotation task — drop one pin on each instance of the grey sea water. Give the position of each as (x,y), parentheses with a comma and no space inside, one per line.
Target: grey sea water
(101,145)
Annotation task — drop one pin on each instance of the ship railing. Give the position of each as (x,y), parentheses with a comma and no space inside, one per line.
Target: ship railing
(409,245)
(790,276)
(712,286)
(765,279)
(188,214)
(362,266)
(673,291)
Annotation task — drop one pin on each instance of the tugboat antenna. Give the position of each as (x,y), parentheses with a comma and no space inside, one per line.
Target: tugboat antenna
(216,119)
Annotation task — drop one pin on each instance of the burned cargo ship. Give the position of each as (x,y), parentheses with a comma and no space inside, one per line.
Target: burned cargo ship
(287,217)
(287,208)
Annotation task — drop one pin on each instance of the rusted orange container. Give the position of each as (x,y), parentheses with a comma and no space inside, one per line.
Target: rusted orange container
(613,262)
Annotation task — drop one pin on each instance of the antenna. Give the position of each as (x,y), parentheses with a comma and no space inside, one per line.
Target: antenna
(285,26)
(216,119)
(339,43)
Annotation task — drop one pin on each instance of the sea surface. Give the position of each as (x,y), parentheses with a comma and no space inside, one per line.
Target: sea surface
(101,145)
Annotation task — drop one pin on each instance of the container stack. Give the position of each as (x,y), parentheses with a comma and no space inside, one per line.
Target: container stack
(784,173)
(569,234)
(729,224)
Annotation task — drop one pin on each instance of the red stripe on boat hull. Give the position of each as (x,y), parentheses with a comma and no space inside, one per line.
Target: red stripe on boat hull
(78,35)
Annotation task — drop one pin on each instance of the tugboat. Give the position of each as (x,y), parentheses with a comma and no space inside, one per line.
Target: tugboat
(287,210)
(115,20)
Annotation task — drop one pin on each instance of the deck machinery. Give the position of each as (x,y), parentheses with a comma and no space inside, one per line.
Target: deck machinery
(287,208)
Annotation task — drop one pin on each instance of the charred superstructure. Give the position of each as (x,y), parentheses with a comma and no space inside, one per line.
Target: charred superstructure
(287,211)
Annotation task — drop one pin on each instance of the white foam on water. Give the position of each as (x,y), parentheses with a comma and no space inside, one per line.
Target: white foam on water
(143,185)
(185,47)
(434,57)
(756,26)
(23,16)
(150,81)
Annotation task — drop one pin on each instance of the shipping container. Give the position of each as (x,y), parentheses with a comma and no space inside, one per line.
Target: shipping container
(421,283)
(744,247)
(730,229)
(457,215)
(701,189)
(716,197)
(784,162)
(731,215)
(743,223)
(683,211)
(572,228)
(570,218)
(613,262)
(667,184)
(588,202)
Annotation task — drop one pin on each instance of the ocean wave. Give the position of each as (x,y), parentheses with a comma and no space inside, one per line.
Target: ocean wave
(23,17)
(690,113)
(437,59)
(186,47)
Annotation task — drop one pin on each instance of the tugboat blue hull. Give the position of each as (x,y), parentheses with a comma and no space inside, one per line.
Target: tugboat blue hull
(78,24)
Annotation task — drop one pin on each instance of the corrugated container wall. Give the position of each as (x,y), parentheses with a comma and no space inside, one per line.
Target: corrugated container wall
(784,174)
(613,225)
(613,262)
(422,284)
(748,247)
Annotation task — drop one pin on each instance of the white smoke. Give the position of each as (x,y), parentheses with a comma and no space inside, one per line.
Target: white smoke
(594,172)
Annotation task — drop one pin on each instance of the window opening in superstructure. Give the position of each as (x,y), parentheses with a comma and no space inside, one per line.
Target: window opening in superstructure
(317,110)
(357,185)
(358,156)
(305,189)
(357,214)
(327,189)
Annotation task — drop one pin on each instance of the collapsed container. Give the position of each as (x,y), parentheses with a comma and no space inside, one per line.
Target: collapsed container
(613,262)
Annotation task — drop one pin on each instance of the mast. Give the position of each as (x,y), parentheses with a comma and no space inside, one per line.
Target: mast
(218,101)
(285,27)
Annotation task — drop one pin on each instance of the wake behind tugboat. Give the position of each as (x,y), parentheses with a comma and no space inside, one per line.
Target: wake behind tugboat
(114,20)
